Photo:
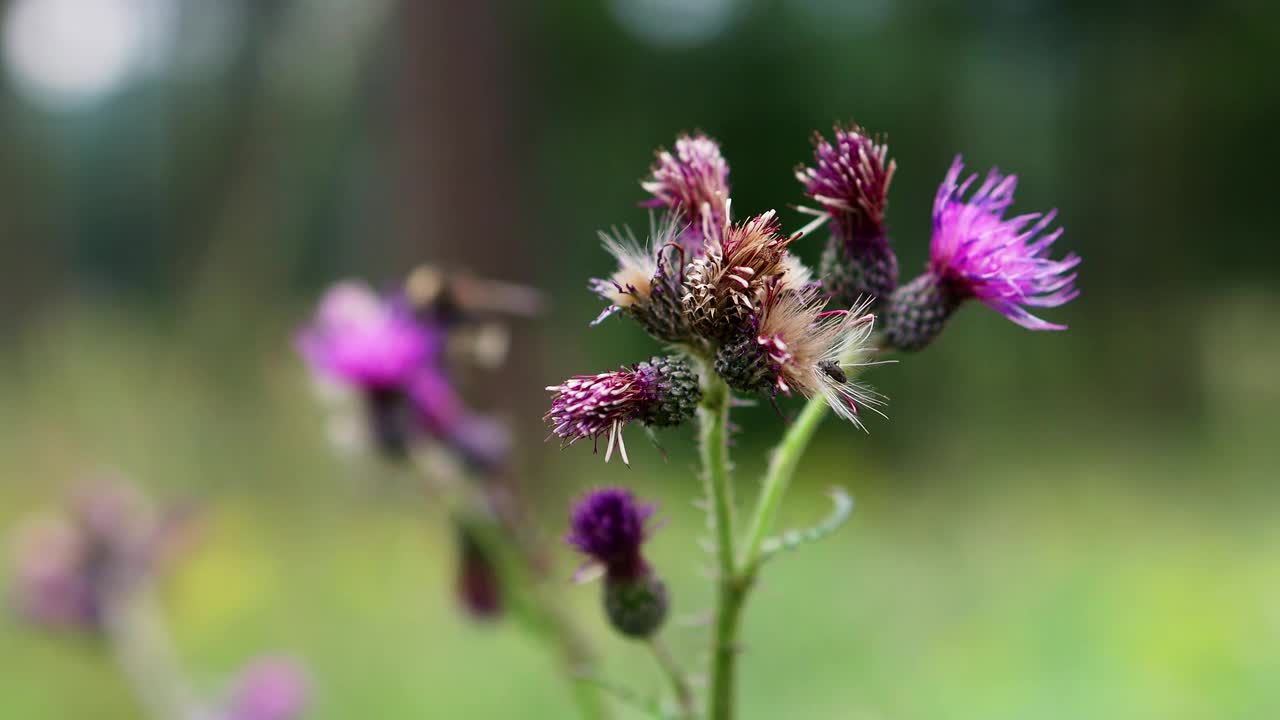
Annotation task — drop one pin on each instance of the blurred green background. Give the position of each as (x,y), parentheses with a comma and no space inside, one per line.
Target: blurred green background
(1054,525)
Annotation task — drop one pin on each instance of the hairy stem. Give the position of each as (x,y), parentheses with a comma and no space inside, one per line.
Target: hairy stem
(714,441)
(782,467)
(680,684)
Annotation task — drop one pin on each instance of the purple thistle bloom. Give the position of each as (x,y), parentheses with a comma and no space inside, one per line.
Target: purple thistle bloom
(694,182)
(850,179)
(270,689)
(1004,263)
(366,341)
(609,526)
(660,392)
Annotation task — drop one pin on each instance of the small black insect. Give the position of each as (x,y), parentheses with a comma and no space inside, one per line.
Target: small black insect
(833,371)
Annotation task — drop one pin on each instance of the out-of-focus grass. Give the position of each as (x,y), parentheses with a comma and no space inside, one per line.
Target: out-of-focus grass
(1110,572)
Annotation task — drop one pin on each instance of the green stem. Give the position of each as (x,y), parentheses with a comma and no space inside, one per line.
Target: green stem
(713,415)
(731,593)
(782,467)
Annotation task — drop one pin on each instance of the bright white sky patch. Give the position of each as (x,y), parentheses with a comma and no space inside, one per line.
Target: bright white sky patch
(64,54)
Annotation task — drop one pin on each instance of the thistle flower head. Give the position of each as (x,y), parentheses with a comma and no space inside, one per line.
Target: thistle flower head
(609,525)
(648,282)
(270,689)
(692,182)
(798,347)
(365,341)
(724,286)
(1003,262)
(660,392)
(850,179)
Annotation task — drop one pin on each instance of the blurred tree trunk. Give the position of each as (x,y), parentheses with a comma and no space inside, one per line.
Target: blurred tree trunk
(458,199)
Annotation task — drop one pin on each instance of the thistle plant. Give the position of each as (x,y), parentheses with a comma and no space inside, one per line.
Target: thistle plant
(740,314)
(90,571)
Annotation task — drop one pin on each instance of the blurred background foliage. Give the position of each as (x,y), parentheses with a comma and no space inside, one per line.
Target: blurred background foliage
(1050,526)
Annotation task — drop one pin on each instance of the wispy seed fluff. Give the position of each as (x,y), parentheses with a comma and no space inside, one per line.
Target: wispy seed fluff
(850,180)
(799,347)
(648,284)
(661,392)
(723,287)
(693,183)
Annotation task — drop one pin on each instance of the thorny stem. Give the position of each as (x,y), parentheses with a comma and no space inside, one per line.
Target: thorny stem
(541,614)
(714,420)
(738,576)
(680,684)
(143,651)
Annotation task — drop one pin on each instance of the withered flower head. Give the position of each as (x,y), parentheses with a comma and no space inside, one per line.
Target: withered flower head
(723,288)
(799,347)
(647,284)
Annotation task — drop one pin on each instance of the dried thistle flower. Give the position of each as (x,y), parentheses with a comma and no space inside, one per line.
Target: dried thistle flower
(798,347)
(648,283)
(724,286)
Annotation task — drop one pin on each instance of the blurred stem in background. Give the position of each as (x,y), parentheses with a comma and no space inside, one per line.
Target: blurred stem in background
(516,556)
(143,650)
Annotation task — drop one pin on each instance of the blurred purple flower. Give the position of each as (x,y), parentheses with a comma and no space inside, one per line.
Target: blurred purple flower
(270,689)
(609,525)
(1004,263)
(67,568)
(366,341)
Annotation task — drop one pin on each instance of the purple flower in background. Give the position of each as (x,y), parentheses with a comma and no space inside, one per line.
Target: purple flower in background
(1002,262)
(366,341)
(609,526)
(269,689)
(694,182)
(661,392)
(67,568)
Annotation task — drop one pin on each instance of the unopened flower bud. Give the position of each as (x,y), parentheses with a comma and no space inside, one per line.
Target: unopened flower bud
(635,606)
(609,526)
